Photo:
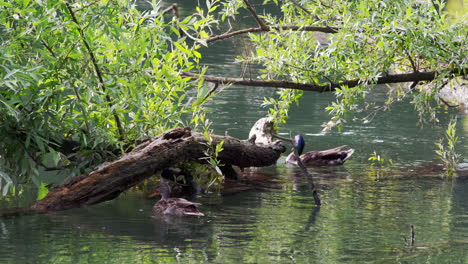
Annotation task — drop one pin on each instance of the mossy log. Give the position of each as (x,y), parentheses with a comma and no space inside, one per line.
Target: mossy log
(165,150)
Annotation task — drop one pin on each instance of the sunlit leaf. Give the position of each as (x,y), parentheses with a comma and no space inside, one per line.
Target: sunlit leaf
(42,191)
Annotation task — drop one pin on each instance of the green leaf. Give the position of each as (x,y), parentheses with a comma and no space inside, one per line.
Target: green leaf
(180,47)
(42,191)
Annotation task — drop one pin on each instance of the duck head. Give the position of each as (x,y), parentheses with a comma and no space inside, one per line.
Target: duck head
(164,189)
(299,144)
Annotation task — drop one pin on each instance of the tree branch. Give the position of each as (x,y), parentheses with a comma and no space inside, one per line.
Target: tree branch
(391,78)
(173,8)
(173,146)
(331,30)
(265,28)
(96,69)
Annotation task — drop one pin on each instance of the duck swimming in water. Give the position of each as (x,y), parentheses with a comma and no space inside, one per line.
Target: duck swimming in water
(329,157)
(174,206)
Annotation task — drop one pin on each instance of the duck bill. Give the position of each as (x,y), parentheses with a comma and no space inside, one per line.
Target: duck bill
(154,195)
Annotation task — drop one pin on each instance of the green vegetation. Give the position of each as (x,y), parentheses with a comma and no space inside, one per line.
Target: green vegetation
(373,40)
(447,152)
(421,43)
(81,83)
(378,166)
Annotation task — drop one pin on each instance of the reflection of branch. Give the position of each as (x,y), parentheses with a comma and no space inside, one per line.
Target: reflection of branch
(391,78)
(312,218)
(315,194)
(412,234)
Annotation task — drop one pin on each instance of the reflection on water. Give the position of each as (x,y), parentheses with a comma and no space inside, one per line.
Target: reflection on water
(364,218)
(361,220)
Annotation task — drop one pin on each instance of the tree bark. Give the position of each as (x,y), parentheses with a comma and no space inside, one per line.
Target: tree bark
(174,146)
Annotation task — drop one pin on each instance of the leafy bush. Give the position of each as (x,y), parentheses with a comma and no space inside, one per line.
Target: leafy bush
(80,83)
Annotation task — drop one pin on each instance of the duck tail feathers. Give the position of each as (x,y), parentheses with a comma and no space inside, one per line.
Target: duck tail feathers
(194,213)
(349,154)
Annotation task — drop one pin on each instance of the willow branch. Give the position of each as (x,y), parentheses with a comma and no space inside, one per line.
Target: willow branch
(96,68)
(331,30)
(262,26)
(332,86)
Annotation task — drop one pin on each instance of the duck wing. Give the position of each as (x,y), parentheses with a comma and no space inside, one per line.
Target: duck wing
(334,156)
(181,202)
(181,206)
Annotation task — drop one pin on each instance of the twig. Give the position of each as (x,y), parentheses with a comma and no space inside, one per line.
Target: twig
(301,7)
(446,103)
(442,99)
(436,8)
(413,64)
(260,22)
(173,8)
(212,90)
(304,170)
(321,3)
(48,48)
(81,7)
(307,11)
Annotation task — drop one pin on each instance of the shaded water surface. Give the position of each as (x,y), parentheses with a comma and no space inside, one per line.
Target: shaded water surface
(365,216)
(362,220)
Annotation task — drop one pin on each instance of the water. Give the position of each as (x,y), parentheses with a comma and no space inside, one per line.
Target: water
(362,220)
(365,216)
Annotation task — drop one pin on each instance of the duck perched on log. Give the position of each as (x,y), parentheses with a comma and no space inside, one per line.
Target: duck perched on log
(329,157)
(174,206)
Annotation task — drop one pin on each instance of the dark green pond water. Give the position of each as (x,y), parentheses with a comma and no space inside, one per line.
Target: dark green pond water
(365,217)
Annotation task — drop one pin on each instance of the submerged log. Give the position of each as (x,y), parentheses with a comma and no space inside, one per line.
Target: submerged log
(174,146)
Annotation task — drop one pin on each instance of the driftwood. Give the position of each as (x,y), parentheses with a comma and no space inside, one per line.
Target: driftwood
(174,146)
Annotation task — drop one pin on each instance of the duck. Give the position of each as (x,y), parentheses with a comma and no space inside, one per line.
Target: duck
(329,157)
(174,206)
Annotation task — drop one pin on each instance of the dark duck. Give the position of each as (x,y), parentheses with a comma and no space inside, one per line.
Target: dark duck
(174,206)
(329,157)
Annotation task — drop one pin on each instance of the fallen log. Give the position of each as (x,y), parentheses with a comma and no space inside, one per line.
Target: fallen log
(176,145)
